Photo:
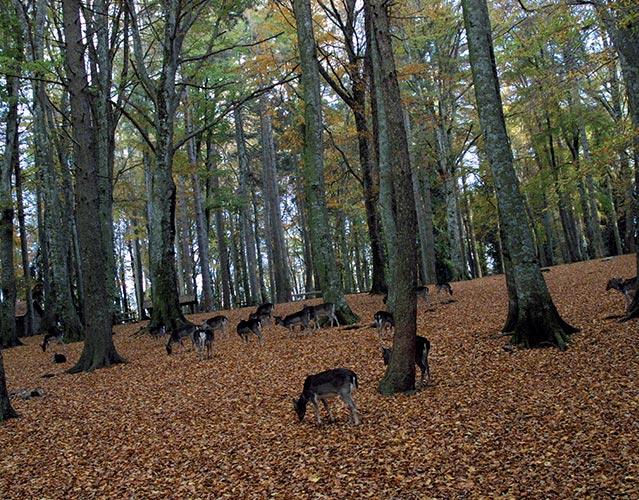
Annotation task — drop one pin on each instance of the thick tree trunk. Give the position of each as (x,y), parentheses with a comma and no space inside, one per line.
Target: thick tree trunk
(313,167)
(99,350)
(533,319)
(55,235)
(8,333)
(400,375)
(387,208)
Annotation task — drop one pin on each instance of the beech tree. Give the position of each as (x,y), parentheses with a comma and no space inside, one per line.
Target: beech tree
(12,50)
(533,319)
(400,374)
(99,349)
(313,166)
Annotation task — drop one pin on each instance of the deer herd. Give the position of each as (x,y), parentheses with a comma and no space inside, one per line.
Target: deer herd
(329,384)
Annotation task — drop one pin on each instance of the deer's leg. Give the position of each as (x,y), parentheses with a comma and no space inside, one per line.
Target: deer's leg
(351,406)
(328,410)
(317,411)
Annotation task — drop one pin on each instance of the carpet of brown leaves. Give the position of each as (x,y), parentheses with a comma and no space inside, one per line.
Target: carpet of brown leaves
(495,424)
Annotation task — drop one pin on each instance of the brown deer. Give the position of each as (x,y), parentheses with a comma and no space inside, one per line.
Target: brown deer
(300,318)
(385,323)
(52,337)
(219,322)
(422,348)
(325,310)
(627,287)
(326,385)
(248,327)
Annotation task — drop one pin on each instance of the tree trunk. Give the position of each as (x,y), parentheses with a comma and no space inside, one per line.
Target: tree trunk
(220,231)
(533,319)
(8,332)
(55,236)
(400,374)
(313,167)
(24,253)
(183,243)
(276,246)
(6,410)
(246,226)
(99,350)
(424,214)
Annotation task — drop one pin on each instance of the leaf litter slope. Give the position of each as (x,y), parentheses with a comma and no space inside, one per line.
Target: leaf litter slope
(496,424)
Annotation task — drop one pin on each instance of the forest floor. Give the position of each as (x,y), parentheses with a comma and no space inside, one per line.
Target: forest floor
(534,424)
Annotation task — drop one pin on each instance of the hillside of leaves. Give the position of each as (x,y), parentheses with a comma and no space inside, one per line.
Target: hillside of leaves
(495,423)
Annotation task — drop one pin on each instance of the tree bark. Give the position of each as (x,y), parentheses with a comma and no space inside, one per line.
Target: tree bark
(99,350)
(8,332)
(220,231)
(356,67)
(276,246)
(533,319)
(313,167)
(54,234)
(246,226)
(6,410)
(400,374)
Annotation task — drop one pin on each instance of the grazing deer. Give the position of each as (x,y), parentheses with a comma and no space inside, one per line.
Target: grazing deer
(384,322)
(264,312)
(157,331)
(422,291)
(251,326)
(627,287)
(422,348)
(444,287)
(219,322)
(323,386)
(203,340)
(301,318)
(52,337)
(186,331)
(325,310)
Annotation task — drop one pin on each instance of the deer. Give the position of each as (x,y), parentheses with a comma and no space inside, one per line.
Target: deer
(251,326)
(52,337)
(422,291)
(422,348)
(627,287)
(301,318)
(263,316)
(263,312)
(326,385)
(203,340)
(384,322)
(325,310)
(179,334)
(444,287)
(219,322)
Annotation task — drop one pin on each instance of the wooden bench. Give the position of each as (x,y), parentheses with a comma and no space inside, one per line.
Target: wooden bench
(307,295)
(189,301)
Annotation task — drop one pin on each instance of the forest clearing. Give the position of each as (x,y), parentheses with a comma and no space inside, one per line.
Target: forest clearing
(496,423)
